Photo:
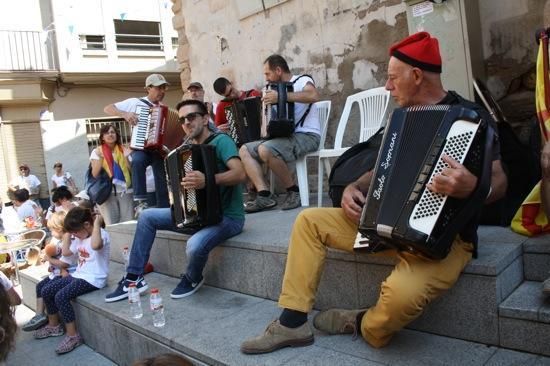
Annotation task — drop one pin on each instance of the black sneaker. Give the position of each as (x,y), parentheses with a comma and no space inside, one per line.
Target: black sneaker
(121,291)
(186,288)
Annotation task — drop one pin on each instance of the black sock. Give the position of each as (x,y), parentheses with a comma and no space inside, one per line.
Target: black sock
(358,320)
(292,318)
(131,277)
(293,188)
(264,193)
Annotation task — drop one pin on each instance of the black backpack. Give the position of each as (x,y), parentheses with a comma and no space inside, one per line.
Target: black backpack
(353,163)
(521,162)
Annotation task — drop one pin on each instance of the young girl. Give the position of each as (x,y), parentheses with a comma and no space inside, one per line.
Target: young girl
(55,224)
(91,243)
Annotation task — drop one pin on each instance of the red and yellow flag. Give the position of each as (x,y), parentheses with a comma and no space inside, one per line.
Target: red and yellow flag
(530,218)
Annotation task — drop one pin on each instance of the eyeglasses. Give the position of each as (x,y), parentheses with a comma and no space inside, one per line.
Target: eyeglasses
(23,169)
(57,166)
(191,117)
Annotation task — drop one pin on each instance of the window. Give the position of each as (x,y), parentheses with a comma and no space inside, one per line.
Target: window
(137,35)
(247,8)
(92,42)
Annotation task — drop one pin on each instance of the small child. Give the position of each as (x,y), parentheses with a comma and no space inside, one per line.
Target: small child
(58,264)
(92,244)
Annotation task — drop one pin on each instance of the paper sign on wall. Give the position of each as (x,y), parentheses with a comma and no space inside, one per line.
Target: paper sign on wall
(422,8)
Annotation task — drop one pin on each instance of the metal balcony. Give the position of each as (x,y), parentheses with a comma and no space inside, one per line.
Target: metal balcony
(26,51)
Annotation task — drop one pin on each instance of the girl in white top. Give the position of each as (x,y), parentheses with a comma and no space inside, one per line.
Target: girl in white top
(61,178)
(13,296)
(91,244)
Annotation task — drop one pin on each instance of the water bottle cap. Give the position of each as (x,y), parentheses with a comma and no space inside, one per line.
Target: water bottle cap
(132,284)
(154,290)
(126,247)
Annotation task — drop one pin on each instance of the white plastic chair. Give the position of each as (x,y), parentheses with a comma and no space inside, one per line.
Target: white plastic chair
(373,104)
(323,110)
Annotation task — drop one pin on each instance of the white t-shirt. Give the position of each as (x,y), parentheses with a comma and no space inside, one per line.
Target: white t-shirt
(27,209)
(30,182)
(5,281)
(63,180)
(130,104)
(311,123)
(92,265)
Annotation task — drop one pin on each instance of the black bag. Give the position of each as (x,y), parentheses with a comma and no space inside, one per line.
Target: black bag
(99,189)
(352,164)
(521,164)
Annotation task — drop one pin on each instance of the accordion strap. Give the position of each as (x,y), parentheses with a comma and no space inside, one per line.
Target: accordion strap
(300,123)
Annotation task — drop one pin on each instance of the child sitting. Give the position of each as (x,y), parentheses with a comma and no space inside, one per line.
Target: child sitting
(91,243)
(58,266)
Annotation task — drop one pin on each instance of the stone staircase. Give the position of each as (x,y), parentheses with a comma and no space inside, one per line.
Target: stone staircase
(495,303)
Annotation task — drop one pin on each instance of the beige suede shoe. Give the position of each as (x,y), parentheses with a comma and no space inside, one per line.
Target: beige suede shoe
(277,336)
(337,321)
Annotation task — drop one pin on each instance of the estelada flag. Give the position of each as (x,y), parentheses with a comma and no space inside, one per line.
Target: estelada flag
(530,218)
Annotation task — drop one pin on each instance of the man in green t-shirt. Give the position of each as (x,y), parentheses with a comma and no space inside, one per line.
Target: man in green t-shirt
(194,120)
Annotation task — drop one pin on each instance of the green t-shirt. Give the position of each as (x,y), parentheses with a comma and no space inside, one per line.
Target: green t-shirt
(231,196)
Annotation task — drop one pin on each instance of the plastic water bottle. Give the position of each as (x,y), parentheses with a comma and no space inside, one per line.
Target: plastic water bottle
(126,257)
(135,301)
(157,308)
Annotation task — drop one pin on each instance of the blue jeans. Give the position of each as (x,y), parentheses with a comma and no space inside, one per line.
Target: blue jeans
(199,244)
(140,161)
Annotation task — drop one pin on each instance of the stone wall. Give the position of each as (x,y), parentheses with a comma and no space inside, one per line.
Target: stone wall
(343,44)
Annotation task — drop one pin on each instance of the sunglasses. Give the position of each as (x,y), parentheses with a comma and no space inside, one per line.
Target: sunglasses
(57,166)
(191,117)
(23,169)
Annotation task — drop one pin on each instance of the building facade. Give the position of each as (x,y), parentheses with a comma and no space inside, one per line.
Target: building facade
(61,63)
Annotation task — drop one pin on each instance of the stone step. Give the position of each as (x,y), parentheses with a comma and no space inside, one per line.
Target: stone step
(536,258)
(253,263)
(524,319)
(209,327)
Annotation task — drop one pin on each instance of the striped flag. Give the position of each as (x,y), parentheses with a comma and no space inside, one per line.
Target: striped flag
(530,218)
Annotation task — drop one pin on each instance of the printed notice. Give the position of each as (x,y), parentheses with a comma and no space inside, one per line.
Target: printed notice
(422,8)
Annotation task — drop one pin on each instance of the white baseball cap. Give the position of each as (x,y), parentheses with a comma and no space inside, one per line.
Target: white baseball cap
(155,80)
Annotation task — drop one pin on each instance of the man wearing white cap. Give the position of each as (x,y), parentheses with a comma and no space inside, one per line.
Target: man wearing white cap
(156,86)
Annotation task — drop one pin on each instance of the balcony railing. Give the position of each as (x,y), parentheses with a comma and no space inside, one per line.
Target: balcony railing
(26,51)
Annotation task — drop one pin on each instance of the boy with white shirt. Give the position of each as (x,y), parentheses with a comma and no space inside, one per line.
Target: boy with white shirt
(156,86)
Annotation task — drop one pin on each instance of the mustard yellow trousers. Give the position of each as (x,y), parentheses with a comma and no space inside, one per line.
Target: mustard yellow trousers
(414,282)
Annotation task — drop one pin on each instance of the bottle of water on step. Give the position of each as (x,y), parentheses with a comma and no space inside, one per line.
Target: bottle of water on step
(157,308)
(134,301)
(126,257)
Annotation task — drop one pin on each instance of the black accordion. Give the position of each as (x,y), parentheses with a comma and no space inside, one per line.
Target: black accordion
(280,119)
(400,211)
(193,209)
(244,118)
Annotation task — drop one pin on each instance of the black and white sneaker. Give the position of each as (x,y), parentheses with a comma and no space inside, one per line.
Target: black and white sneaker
(186,288)
(121,291)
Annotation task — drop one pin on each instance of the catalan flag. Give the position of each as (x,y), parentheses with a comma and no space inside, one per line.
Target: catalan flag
(530,218)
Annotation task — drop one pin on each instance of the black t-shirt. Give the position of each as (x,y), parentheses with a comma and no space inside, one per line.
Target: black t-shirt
(469,232)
